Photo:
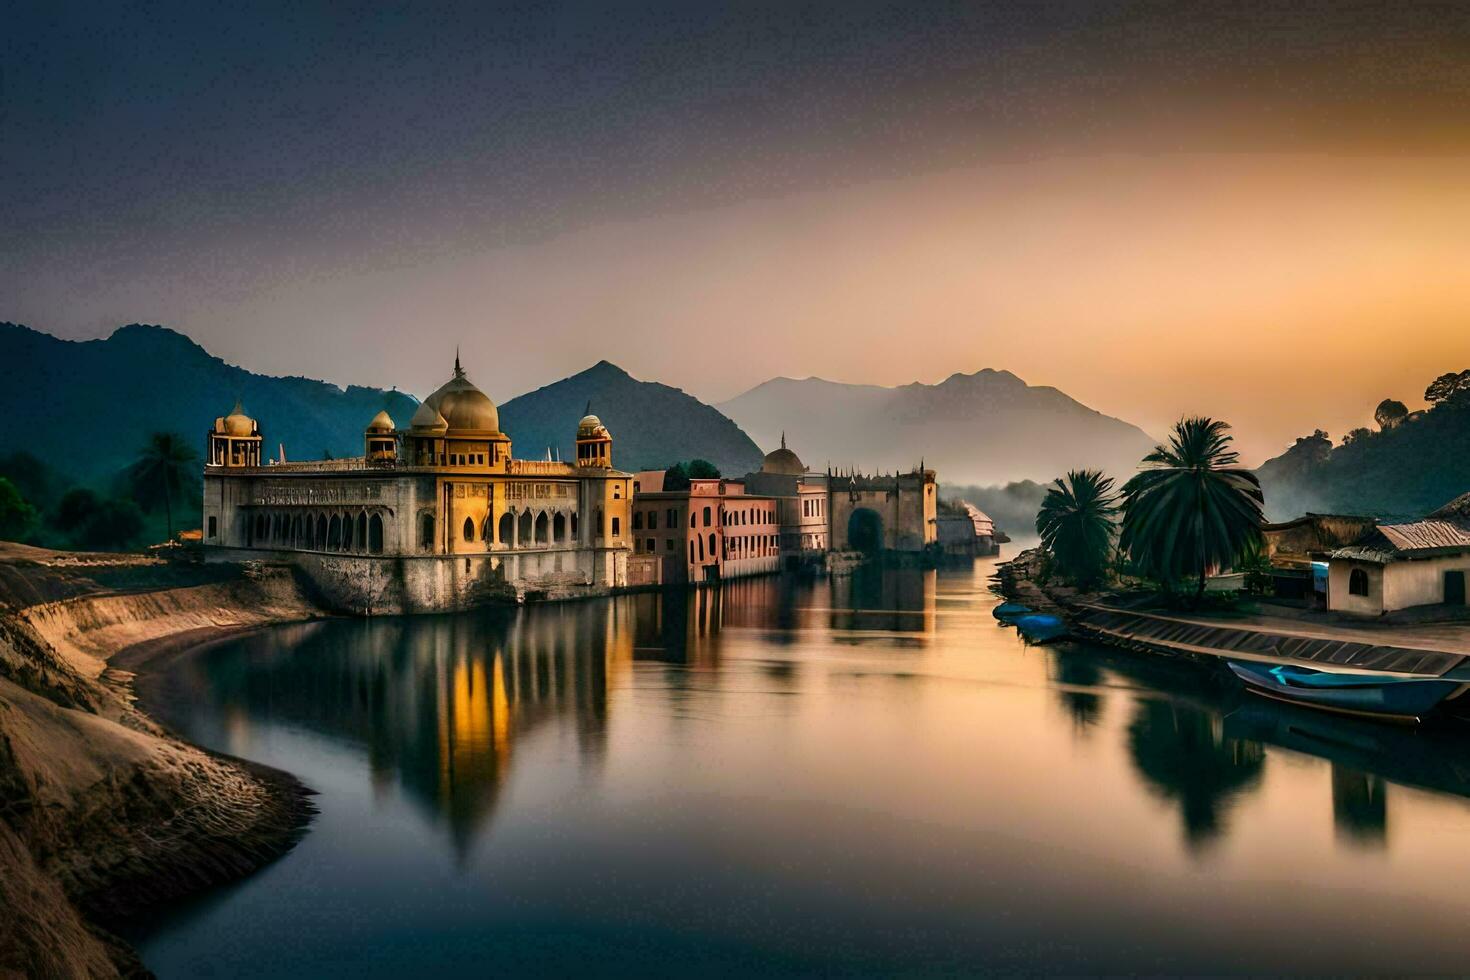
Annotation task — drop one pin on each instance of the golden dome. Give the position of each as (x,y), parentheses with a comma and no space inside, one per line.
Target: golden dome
(591,427)
(237,423)
(783,461)
(428,419)
(463,406)
(382,422)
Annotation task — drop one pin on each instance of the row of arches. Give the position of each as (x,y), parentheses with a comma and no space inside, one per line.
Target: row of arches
(524,529)
(346,532)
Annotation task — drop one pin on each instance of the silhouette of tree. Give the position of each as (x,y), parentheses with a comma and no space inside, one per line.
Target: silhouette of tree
(76,506)
(1193,508)
(1077,527)
(164,468)
(1447,387)
(17,517)
(113,524)
(1390,413)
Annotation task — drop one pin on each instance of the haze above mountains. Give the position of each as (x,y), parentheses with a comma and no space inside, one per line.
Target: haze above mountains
(989,427)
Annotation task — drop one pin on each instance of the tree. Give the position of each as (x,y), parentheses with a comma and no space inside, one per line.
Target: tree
(1077,525)
(1193,508)
(17,517)
(677,477)
(1447,387)
(1357,435)
(75,508)
(165,467)
(114,523)
(1390,413)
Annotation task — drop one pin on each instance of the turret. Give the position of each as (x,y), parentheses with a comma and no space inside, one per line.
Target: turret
(380,444)
(594,442)
(234,440)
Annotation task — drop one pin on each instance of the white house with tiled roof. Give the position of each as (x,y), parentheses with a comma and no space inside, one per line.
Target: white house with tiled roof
(1397,566)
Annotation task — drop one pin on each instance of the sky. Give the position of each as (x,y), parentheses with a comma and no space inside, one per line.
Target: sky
(1259,211)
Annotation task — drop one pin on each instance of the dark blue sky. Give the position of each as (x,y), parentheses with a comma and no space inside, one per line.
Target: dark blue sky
(196,164)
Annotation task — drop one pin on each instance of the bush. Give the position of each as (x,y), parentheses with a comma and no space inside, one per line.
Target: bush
(17,517)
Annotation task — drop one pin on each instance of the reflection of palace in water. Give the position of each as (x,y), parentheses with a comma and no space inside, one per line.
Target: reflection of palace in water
(439,704)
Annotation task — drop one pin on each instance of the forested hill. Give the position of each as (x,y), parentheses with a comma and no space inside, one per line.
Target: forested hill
(86,407)
(1404,470)
(653,425)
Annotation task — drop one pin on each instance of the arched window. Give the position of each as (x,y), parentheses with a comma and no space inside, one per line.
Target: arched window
(559,528)
(321,532)
(701,548)
(543,526)
(334,534)
(1357,582)
(362,531)
(706,517)
(712,545)
(375,535)
(426,531)
(469,529)
(525,529)
(507,528)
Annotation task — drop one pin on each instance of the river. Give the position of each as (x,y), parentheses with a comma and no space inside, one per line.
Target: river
(864,774)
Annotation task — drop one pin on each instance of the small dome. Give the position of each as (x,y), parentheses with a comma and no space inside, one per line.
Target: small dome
(237,423)
(381,422)
(463,406)
(783,461)
(428,419)
(591,427)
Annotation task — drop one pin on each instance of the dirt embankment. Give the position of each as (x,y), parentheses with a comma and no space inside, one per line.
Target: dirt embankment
(102,813)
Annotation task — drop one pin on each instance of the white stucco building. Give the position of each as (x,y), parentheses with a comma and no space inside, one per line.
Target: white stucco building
(1398,566)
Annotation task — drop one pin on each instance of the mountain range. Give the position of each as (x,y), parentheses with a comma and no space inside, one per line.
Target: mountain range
(989,427)
(86,407)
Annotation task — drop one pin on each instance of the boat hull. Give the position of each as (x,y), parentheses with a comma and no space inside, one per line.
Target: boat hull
(1402,698)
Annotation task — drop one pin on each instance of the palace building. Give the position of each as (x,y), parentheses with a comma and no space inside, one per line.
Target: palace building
(436,516)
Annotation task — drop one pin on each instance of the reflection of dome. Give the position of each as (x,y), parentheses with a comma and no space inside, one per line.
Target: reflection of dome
(428,419)
(591,427)
(237,423)
(463,406)
(381,422)
(783,461)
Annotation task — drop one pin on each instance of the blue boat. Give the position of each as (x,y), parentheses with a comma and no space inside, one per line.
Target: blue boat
(1040,627)
(1008,612)
(1361,693)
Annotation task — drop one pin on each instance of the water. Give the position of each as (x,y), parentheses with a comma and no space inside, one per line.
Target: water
(863,775)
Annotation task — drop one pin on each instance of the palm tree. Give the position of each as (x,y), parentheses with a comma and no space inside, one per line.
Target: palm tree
(164,468)
(1193,507)
(1076,524)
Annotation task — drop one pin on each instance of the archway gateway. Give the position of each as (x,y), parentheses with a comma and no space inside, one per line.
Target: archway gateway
(865,531)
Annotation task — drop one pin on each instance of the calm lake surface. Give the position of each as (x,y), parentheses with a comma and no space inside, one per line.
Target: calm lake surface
(864,774)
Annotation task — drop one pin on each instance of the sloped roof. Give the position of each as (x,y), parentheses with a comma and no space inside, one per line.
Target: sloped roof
(1446,531)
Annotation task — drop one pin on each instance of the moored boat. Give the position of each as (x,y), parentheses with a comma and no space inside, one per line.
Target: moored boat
(1040,627)
(1009,611)
(1394,696)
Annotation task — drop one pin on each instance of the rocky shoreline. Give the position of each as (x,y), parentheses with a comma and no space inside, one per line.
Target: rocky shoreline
(104,814)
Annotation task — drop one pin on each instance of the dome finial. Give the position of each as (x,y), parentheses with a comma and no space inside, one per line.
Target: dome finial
(458,371)
(783,438)
(589,407)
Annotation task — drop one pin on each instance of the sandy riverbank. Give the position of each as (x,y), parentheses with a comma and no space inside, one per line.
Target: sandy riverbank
(103,813)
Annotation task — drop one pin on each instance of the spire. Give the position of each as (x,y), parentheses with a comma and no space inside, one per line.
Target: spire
(239,408)
(458,371)
(588,410)
(783,438)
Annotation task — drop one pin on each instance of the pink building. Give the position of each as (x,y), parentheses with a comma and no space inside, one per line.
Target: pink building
(712,531)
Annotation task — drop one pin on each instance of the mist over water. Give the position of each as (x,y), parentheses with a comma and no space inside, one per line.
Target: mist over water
(865,774)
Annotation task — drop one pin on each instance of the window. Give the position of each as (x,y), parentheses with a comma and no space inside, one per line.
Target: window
(637,520)
(670,544)
(706,517)
(653,520)
(469,529)
(652,544)
(672,518)
(617,526)
(213,526)
(712,551)
(1358,582)
(426,531)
